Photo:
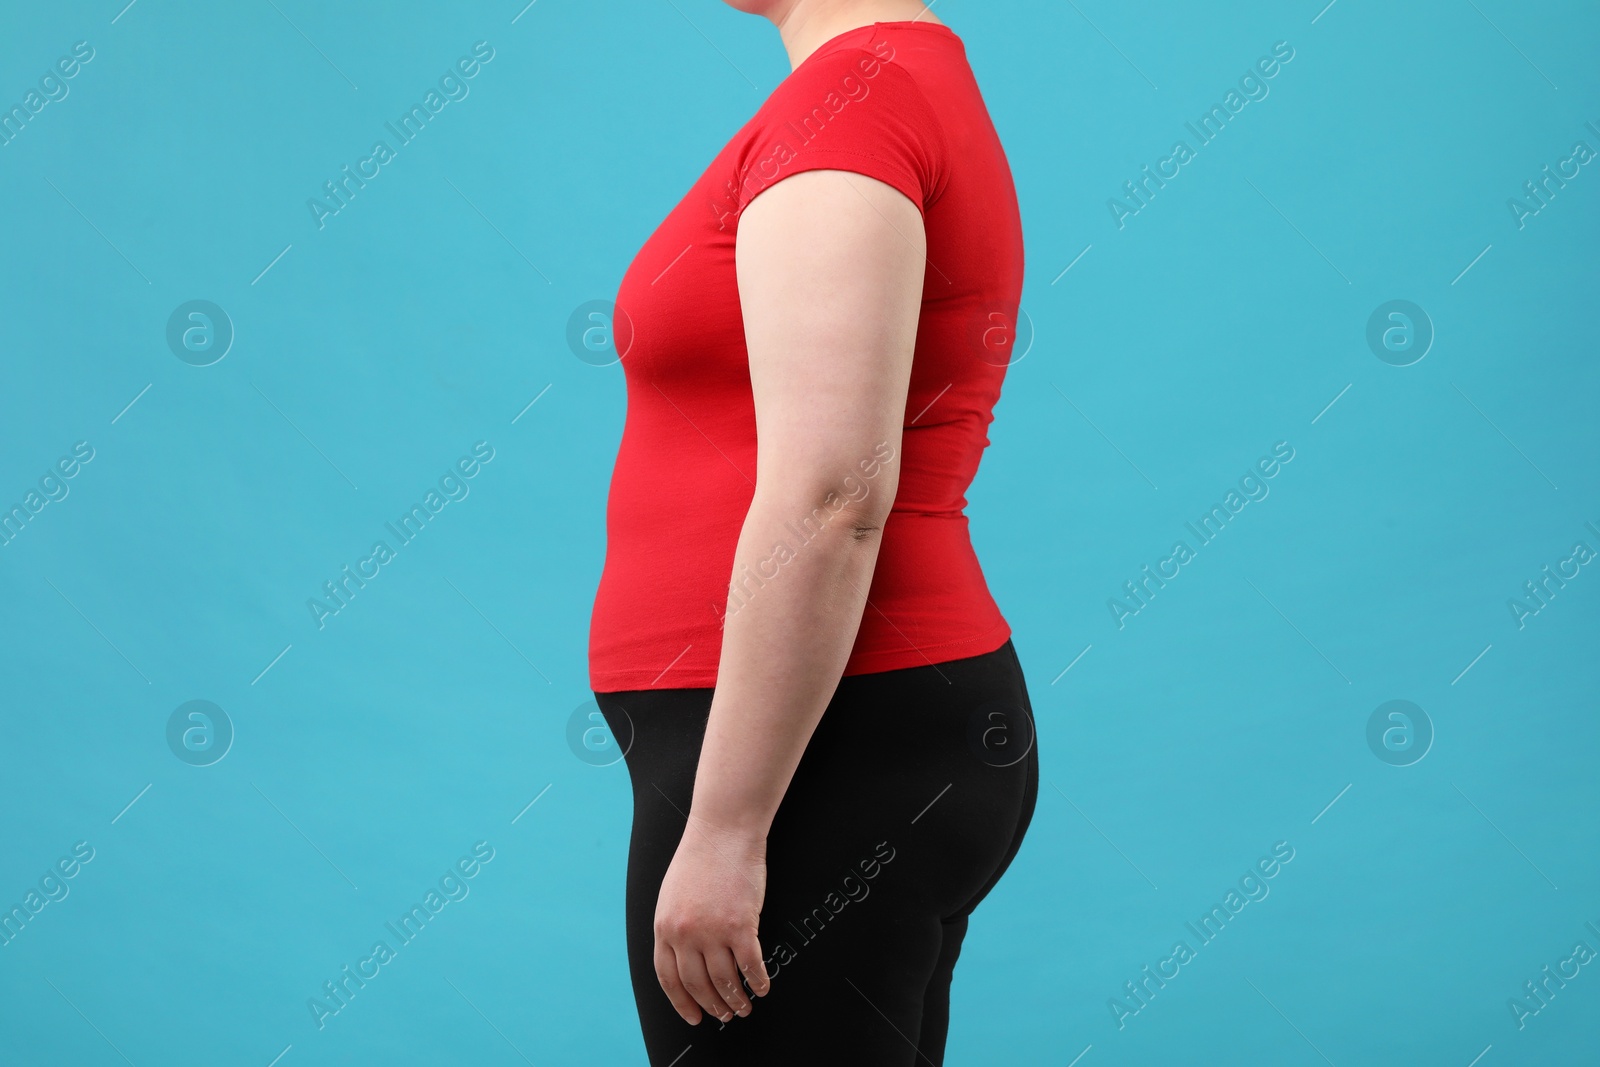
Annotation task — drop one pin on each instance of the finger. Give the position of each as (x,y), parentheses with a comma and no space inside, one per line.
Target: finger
(724,971)
(697,980)
(667,974)
(747,954)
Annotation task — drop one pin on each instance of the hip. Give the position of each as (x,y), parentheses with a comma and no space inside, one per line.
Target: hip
(938,762)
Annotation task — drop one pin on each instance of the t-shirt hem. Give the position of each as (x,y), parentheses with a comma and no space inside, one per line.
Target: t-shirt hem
(980,644)
(976,645)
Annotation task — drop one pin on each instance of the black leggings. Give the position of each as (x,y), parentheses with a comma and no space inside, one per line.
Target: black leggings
(909,803)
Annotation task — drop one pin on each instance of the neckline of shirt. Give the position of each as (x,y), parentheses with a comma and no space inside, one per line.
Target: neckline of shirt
(833,42)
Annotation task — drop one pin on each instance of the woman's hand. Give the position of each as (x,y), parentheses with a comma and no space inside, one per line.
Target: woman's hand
(706,920)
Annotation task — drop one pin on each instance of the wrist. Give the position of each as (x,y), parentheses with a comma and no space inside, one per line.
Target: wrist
(740,826)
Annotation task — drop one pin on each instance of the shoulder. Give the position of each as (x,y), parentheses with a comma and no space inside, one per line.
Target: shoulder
(855,107)
(852,74)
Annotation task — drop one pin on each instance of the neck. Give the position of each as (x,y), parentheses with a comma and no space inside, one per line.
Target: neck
(805,25)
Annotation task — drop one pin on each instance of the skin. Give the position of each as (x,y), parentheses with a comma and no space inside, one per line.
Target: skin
(830,270)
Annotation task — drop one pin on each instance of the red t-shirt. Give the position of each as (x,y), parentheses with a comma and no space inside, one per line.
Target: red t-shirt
(895,101)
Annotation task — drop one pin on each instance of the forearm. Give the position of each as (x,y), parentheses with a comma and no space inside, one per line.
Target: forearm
(791,622)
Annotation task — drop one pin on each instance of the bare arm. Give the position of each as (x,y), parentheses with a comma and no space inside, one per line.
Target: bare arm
(830,279)
(830,270)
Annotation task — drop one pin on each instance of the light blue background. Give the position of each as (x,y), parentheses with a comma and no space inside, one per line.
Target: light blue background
(1227,315)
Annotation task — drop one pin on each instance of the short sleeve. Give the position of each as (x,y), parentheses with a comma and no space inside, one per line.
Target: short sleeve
(849,110)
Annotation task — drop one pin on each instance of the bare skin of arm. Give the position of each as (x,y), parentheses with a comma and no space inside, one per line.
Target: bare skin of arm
(830,266)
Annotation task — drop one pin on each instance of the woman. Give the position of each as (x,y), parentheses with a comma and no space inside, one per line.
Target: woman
(825,723)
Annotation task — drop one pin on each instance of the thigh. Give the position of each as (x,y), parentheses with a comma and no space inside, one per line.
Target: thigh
(904,810)
(660,732)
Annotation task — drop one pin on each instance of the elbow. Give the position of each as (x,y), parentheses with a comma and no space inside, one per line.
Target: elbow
(857,526)
(861,520)
(851,500)
(846,520)
(868,508)
(861,529)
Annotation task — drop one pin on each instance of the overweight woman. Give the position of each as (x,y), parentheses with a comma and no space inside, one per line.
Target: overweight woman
(825,724)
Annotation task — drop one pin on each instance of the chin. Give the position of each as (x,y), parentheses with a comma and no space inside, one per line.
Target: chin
(754,7)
